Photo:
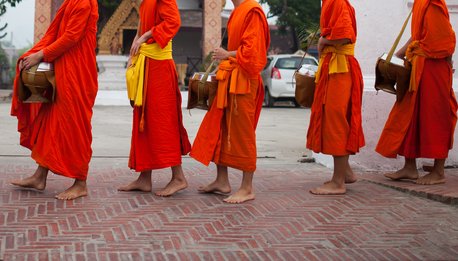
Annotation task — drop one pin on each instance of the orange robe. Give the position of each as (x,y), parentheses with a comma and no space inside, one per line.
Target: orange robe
(59,133)
(335,123)
(423,123)
(164,138)
(227,133)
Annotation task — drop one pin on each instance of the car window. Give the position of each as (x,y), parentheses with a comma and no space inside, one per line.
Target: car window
(293,62)
(269,60)
(309,61)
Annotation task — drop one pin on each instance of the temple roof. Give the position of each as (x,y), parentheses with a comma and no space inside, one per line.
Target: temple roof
(126,16)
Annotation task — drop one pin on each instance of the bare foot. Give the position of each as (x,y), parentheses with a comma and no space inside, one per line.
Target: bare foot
(137,185)
(30,182)
(330,188)
(240,196)
(404,173)
(174,186)
(78,189)
(216,187)
(432,178)
(36,181)
(349,178)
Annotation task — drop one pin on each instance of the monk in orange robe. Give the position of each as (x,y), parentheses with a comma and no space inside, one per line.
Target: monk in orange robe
(335,123)
(422,124)
(59,133)
(158,136)
(227,133)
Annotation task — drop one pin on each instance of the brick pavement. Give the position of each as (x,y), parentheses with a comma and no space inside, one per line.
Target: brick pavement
(285,222)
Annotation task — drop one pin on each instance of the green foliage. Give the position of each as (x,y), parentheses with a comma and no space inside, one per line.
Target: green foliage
(3,57)
(295,13)
(106,10)
(113,4)
(4,3)
(4,61)
(301,16)
(5,70)
(308,36)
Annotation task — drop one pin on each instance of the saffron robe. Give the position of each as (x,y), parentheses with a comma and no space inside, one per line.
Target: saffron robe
(59,133)
(227,133)
(335,123)
(164,138)
(423,123)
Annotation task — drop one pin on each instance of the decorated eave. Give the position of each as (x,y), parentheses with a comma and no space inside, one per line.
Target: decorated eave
(126,17)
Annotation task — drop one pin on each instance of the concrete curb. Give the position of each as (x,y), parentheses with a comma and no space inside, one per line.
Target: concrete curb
(444,193)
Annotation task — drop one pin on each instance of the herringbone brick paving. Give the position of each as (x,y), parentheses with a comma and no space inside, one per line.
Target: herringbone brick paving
(285,222)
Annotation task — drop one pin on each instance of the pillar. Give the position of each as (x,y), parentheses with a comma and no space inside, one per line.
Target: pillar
(211,26)
(44,13)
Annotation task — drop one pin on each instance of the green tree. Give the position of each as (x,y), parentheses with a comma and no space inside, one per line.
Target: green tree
(4,3)
(308,37)
(106,10)
(298,16)
(4,61)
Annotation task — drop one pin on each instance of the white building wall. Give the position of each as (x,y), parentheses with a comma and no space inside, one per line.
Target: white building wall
(379,23)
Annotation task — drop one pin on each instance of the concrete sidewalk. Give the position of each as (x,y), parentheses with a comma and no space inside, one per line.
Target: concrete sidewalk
(285,222)
(5,95)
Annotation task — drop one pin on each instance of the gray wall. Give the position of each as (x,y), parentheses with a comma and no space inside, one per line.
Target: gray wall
(188,4)
(187,43)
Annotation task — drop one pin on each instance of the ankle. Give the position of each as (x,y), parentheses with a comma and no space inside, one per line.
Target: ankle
(439,172)
(222,177)
(40,176)
(180,179)
(222,183)
(80,183)
(144,178)
(410,165)
(411,168)
(246,189)
(339,183)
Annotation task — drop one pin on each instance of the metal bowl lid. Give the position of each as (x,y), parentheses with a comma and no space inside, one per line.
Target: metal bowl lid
(44,67)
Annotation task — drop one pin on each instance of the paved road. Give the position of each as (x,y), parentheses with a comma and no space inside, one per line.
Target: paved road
(281,133)
(285,222)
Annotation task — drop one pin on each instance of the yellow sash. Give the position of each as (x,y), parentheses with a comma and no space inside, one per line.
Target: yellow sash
(416,56)
(135,74)
(338,62)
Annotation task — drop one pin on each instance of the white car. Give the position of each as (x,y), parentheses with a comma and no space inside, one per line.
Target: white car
(278,76)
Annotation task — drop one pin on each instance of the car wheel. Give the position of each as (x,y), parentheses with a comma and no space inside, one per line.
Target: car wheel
(268,99)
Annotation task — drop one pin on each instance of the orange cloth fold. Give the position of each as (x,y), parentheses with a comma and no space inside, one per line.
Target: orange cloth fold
(429,46)
(160,139)
(230,77)
(430,133)
(338,20)
(227,133)
(59,134)
(336,122)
